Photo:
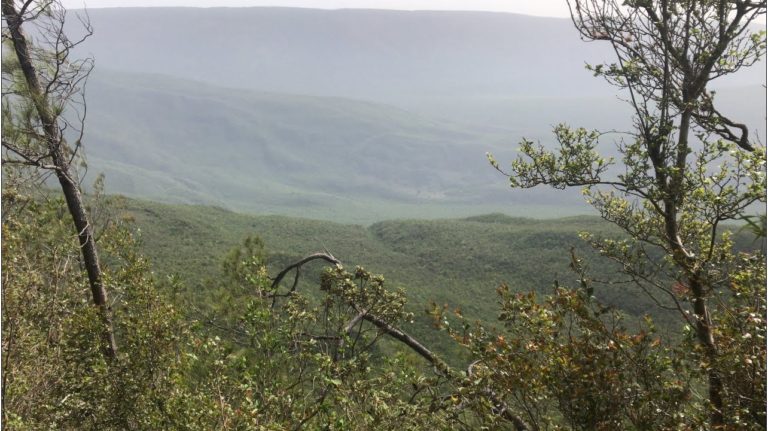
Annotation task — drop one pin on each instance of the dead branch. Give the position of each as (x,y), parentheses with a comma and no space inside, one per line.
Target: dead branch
(500,408)
(328,257)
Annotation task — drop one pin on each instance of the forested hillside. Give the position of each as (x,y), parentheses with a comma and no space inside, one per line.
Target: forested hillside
(458,262)
(378,274)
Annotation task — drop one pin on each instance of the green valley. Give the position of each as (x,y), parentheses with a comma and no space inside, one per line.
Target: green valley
(180,141)
(456,262)
(272,218)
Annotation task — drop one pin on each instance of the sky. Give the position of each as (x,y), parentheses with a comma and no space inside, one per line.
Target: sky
(553,8)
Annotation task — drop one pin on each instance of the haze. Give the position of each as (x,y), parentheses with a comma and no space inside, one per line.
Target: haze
(350,115)
(550,8)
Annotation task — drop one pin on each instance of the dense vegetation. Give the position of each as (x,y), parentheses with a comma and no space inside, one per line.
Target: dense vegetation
(455,262)
(654,319)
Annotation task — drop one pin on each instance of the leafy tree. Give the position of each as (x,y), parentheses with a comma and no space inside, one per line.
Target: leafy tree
(61,367)
(686,169)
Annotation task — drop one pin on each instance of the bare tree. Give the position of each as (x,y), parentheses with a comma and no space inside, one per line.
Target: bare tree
(42,100)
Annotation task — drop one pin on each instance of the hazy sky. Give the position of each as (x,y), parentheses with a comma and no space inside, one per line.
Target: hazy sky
(555,8)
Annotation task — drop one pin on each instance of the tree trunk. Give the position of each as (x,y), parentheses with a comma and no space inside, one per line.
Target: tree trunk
(672,202)
(707,339)
(69,185)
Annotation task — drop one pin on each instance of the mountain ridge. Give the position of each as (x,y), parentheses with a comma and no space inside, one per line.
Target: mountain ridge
(184,142)
(358,114)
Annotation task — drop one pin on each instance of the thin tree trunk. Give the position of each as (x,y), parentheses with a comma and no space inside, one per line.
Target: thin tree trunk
(704,333)
(69,186)
(707,339)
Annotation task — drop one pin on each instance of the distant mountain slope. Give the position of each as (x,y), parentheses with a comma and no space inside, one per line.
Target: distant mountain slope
(370,54)
(457,262)
(455,85)
(412,59)
(181,141)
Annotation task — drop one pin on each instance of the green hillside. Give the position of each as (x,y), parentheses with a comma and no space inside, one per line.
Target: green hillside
(176,141)
(179,141)
(458,262)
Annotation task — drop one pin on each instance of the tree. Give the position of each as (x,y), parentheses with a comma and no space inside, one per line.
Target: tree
(38,89)
(686,167)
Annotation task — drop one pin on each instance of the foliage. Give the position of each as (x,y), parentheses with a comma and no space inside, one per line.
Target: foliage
(280,360)
(54,375)
(454,262)
(739,316)
(256,361)
(254,352)
(685,169)
(566,360)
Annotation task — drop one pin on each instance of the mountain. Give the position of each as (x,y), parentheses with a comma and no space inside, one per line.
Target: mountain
(365,54)
(182,141)
(426,61)
(188,142)
(350,115)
